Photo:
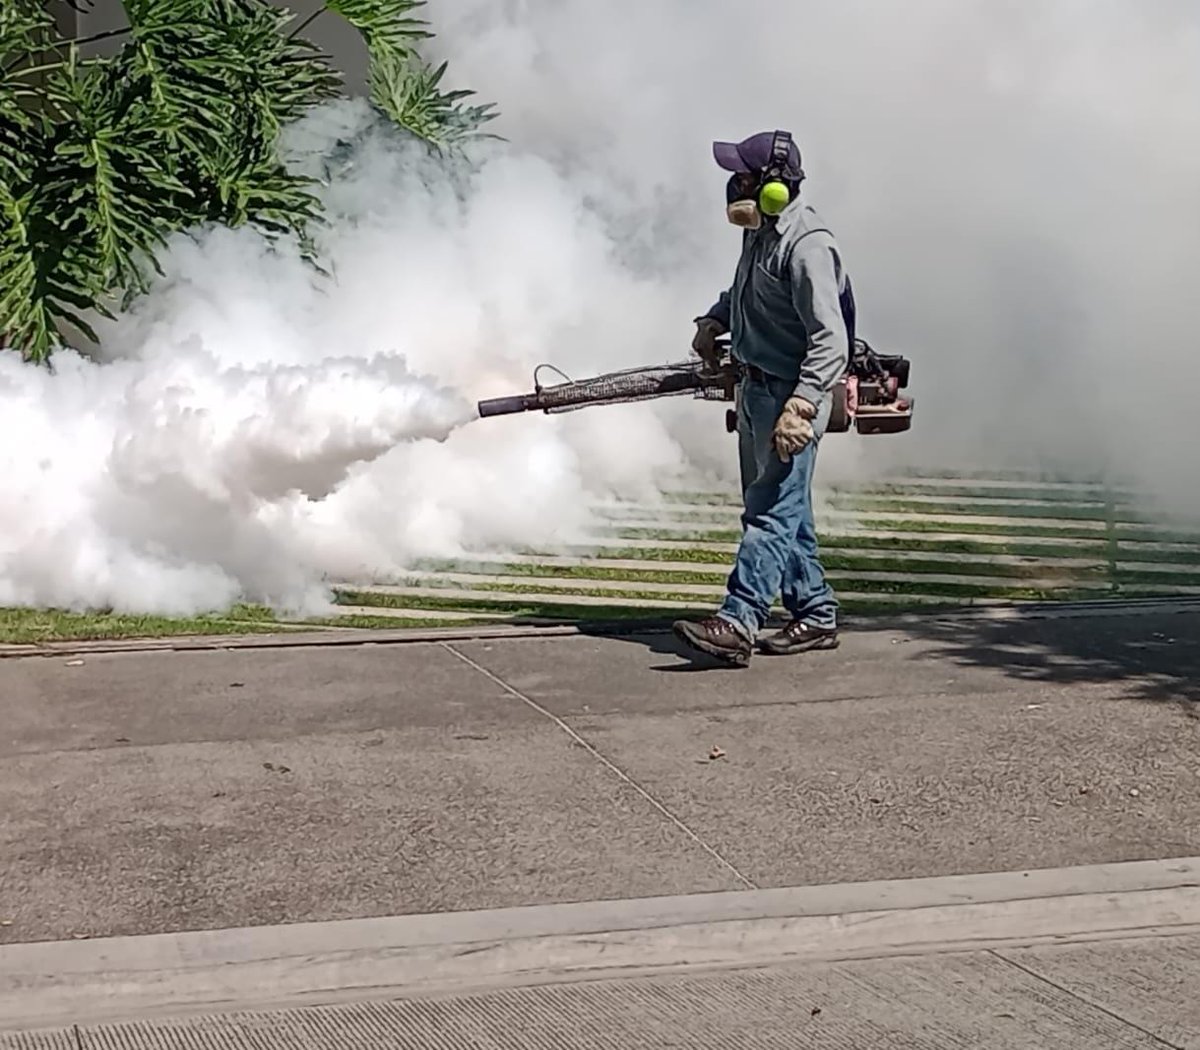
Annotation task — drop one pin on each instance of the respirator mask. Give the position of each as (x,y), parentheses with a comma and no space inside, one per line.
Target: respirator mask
(752,195)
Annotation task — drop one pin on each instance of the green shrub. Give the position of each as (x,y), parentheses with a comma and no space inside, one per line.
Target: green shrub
(103,158)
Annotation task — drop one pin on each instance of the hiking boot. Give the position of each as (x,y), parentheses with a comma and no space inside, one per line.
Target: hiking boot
(799,637)
(716,637)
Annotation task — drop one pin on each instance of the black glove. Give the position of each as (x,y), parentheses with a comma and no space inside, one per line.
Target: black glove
(705,341)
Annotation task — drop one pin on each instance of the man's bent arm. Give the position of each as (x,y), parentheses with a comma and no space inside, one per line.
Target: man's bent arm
(815,296)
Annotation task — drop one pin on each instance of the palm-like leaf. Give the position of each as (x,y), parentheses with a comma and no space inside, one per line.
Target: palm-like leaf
(385,25)
(107,177)
(410,94)
(26,316)
(23,28)
(402,85)
(27,322)
(102,160)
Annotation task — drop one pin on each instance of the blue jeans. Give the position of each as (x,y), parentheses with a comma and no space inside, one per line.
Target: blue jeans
(778,553)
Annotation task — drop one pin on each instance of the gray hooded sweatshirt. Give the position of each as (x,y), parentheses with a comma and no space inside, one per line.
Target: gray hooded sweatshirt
(784,311)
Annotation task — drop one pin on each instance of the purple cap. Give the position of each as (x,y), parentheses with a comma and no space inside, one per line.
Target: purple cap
(754,154)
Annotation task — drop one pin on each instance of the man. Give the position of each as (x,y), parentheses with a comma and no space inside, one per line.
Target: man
(790,315)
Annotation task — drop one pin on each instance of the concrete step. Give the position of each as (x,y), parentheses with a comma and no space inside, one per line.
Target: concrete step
(831,521)
(549,597)
(631,564)
(533,583)
(989,961)
(1068,546)
(992,483)
(394,613)
(546,596)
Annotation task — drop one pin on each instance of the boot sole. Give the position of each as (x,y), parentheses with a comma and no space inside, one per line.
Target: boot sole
(724,655)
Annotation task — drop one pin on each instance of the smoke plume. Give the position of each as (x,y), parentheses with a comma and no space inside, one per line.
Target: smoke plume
(1013,186)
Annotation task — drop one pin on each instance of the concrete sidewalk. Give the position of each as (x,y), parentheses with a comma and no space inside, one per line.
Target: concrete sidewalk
(1053,999)
(1075,998)
(159,793)
(1101,956)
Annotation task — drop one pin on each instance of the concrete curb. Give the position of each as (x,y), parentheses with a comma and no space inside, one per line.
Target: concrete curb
(123,979)
(343,636)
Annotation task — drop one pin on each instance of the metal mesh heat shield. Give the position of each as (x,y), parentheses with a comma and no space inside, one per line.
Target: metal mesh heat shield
(634,384)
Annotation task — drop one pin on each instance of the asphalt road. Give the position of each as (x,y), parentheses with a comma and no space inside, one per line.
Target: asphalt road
(155,792)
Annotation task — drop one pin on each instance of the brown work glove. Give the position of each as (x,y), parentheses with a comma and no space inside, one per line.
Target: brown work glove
(705,341)
(793,428)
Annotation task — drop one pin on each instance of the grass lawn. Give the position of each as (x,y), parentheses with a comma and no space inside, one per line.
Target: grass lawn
(1029,542)
(31,626)
(36,626)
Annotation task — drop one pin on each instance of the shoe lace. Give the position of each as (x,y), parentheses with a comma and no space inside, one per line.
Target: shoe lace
(719,626)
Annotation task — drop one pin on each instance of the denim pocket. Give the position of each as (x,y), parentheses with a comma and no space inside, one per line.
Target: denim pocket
(771,293)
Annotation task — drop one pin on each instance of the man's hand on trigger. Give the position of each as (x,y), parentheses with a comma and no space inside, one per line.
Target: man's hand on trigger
(705,341)
(793,429)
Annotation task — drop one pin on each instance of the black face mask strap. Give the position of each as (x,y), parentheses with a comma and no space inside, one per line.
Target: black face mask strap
(781,149)
(781,146)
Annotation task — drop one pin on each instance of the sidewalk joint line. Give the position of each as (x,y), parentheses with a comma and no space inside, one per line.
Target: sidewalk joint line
(999,953)
(608,764)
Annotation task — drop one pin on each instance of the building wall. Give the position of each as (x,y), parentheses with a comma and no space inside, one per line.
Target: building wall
(329,32)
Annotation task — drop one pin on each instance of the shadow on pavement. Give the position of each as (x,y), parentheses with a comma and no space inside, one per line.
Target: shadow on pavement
(656,636)
(1157,655)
